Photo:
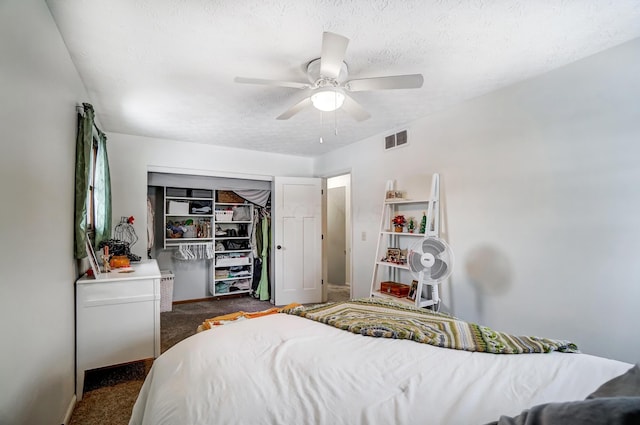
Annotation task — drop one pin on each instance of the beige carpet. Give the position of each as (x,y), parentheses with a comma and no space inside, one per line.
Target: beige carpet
(336,293)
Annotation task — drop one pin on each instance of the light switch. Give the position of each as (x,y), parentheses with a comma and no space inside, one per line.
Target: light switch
(364,236)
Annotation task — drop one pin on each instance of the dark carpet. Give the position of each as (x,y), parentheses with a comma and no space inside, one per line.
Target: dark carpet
(109,393)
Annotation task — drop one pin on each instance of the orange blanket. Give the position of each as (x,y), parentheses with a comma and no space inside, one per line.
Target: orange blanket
(241,315)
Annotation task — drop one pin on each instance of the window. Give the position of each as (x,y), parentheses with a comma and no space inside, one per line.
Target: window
(92,215)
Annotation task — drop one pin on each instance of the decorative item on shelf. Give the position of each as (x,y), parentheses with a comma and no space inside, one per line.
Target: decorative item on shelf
(412,291)
(124,231)
(93,260)
(396,256)
(395,289)
(411,225)
(119,247)
(398,223)
(423,223)
(394,194)
(204,229)
(118,261)
(105,259)
(393,255)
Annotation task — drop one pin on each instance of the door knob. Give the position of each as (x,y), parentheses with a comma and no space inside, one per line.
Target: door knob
(278,246)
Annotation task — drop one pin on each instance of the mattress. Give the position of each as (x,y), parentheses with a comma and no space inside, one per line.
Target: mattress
(284,369)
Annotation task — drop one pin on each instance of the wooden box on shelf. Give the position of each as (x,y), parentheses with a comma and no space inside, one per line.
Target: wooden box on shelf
(396,289)
(229,197)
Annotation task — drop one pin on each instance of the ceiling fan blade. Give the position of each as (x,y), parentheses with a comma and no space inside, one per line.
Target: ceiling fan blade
(277,83)
(295,109)
(412,81)
(354,109)
(334,47)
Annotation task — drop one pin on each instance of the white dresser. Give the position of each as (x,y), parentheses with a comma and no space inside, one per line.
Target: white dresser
(117,318)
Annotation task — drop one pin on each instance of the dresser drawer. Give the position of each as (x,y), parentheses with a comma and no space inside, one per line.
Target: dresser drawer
(106,293)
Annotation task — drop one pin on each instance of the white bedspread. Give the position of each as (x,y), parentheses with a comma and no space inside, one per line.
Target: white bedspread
(284,369)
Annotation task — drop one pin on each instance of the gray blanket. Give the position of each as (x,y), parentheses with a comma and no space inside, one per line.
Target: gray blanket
(597,411)
(616,402)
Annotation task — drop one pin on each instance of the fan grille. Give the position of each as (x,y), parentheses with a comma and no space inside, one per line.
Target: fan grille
(434,251)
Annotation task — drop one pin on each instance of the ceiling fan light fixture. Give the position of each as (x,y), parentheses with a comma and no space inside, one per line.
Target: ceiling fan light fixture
(327,100)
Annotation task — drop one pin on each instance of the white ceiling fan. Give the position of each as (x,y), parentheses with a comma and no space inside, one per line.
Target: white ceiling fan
(328,86)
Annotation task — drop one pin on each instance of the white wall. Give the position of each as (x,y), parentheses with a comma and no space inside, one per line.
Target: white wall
(40,88)
(130,158)
(541,180)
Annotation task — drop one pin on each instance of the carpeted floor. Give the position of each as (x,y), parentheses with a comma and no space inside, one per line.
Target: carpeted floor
(109,393)
(336,293)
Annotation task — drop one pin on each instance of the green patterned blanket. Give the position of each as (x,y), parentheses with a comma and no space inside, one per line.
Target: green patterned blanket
(388,319)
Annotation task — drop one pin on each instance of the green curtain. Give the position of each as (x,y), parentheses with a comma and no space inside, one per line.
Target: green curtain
(102,192)
(102,184)
(84,140)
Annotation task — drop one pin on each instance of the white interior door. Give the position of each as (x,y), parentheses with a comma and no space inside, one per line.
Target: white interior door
(297,212)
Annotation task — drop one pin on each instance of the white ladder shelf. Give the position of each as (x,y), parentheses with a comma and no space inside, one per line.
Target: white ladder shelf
(398,272)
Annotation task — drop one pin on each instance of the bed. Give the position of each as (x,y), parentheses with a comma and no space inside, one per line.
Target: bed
(287,369)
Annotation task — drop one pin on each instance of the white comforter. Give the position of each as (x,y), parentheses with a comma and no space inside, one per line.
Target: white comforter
(284,369)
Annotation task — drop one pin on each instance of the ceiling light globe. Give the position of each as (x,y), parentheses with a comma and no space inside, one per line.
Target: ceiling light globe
(327,100)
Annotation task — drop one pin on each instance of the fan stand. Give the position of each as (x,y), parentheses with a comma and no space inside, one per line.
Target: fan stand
(435,297)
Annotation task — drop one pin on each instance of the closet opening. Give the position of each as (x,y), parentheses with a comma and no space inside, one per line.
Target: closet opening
(211,233)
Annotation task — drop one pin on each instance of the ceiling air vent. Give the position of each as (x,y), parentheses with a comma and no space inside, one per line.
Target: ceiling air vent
(395,140)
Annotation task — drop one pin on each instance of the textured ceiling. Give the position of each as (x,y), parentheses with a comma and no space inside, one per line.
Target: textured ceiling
(165,68)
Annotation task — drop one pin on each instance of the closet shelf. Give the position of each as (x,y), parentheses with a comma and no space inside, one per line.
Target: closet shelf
(189,215)
(177,241)
(234,222)
(186,198)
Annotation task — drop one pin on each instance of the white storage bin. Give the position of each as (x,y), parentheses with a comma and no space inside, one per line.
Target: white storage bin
(177,207)
(166,290)
(235,261)
(224,215)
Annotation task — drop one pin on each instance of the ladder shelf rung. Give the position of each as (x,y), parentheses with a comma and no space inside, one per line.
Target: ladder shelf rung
(396,265)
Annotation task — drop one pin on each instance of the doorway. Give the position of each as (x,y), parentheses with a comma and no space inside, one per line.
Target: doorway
(339,238)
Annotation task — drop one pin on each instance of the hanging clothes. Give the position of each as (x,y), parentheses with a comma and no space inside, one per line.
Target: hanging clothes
(257,274)
(256,233)
(150,216)
(263,286)
(256,244)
